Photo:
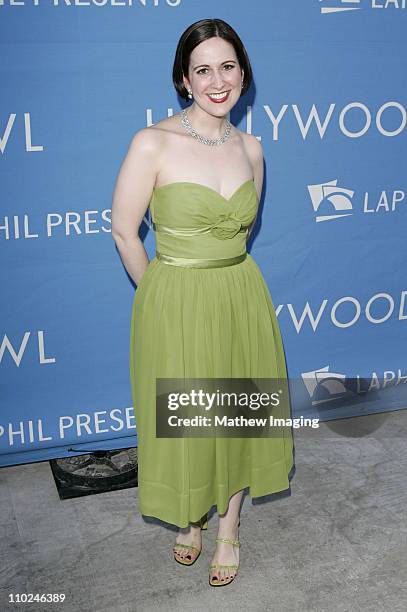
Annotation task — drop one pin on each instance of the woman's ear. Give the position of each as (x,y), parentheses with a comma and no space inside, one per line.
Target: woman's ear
(186,83)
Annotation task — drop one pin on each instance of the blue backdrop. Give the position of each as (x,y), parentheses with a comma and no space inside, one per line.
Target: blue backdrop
(328,102)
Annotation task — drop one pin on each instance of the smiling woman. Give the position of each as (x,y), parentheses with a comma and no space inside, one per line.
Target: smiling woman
(202,308)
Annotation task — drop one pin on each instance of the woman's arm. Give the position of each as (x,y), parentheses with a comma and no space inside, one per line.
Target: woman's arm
(132,194)
(255,153)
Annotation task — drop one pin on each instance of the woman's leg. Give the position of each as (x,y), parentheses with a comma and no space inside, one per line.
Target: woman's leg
(226,554)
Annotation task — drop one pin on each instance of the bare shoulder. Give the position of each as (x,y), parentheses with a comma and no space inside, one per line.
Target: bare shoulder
(253,147)
(169,124)
(151,139)
(146,140)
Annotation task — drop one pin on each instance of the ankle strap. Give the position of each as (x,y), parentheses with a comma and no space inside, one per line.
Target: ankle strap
(234,542)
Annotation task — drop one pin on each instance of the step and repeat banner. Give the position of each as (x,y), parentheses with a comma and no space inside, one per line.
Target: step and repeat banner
(328,102)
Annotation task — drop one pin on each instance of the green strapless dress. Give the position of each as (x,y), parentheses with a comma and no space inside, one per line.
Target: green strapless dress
(203,310)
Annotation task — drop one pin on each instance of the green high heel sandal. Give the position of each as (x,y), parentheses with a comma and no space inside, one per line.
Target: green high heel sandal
(203,523)
(215,581)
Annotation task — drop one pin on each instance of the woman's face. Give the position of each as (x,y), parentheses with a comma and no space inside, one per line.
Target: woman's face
(214,69)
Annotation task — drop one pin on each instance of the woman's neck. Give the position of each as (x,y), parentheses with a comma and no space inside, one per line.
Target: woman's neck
(205,124)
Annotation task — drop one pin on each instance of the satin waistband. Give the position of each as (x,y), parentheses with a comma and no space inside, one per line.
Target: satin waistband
(200,263)
(195,231)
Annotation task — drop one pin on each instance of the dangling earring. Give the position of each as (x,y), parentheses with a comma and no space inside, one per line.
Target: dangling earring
(190,93)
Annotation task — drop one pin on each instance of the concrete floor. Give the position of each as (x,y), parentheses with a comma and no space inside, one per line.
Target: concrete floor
(338,543)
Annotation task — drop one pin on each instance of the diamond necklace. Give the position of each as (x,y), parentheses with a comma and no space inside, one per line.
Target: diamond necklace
(207,141)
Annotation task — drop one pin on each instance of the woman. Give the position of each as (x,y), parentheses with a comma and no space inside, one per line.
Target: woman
(202,308)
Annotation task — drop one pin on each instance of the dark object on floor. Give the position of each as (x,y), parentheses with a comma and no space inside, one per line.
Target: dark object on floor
(96,472)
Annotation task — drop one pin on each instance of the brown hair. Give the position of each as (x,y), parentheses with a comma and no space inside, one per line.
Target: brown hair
(197,33)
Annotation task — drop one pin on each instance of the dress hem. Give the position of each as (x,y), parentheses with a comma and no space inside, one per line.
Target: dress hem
(167,518)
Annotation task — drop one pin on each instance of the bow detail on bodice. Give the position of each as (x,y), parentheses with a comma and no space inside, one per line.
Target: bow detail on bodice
(226,226)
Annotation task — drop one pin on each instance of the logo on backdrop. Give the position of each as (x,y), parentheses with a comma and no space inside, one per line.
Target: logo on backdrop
(337,197)
(324,386)
(87,426)
(97,3)
(333,202)
(322,123)
(32,342)
(347,311)
(340,6)
(29,146)
(67,224)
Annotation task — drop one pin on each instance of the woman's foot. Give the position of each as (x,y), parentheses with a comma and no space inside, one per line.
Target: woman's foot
(188,544)
(226,554)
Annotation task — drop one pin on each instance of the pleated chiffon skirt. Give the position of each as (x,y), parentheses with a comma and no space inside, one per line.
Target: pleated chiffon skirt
(203,323)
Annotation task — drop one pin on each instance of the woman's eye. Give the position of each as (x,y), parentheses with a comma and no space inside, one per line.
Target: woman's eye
(200,71)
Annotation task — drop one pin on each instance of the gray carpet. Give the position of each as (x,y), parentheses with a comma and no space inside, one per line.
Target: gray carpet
(338,543)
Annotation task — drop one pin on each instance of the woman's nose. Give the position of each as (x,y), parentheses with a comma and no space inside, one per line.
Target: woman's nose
(217,80)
